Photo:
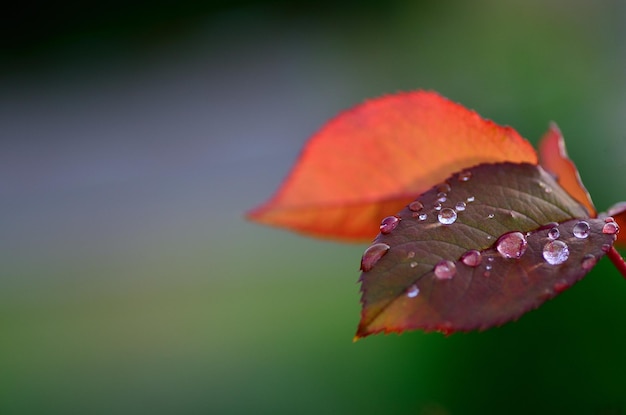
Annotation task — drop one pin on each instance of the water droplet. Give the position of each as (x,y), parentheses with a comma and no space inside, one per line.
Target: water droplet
(423,216)
(588,262)
(447,216)
(416,206)
(472,258)
(489,237)
(445,270)
(460,207)
(512,245)
(581,230)
(606,247)
(470,199)
(413,291)
(610,228)
(465,176)
(442,197)
(389,224)
(609,219)
(437,206)
(413,264)
(548,189)
(554,233)
(555,252)
(372,255)
(490,216)
(411,254)
(443,188)
(488,267)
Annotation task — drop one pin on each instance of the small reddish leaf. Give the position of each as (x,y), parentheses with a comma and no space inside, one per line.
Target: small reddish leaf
(553,157)
(480,252)
(372,160)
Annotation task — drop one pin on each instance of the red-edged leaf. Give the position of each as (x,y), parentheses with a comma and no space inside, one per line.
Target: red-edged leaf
(490,247)
(372,160)
(553,157)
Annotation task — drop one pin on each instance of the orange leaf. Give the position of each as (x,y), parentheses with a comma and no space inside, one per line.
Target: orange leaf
(553,157)
(372,160)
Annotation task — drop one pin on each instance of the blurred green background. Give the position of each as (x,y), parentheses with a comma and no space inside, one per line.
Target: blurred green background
(133,139)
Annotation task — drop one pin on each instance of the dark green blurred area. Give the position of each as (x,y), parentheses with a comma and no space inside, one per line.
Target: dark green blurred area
(134,138)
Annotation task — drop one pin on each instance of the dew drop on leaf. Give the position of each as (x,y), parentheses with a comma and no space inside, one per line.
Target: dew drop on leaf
(554,234)
(512,245)
(423,216)
(389,224)
(416,206)
(413,291)
(588,262)
(581,230)
(555,252)
(447,216)
(472,258)
(445,270)
(413,264)
(465,176)
(437,206)
(470,199)
(460,207)
(490,216)
(606,247)
(372,255)
(411,254)
(443,188)
(442,197)
(610,228)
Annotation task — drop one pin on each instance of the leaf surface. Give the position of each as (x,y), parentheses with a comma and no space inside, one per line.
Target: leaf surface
(553,157)
(418,273)
(372,160)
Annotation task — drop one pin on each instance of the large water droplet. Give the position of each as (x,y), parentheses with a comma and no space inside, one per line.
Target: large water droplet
(416,206)
(588,262)
(465,176)
(512,245)
(389,224)
(372,255)
(445,270)
(447,216)
(610,228)
(555,252)
(472,258)
(460,207)
(581,230)
(412,291)
(554,233)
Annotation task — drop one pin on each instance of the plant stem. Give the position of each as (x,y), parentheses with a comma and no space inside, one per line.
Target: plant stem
(617,260)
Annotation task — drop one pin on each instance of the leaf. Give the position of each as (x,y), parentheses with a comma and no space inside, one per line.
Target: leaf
(372,160)
(553,157)
(487,265)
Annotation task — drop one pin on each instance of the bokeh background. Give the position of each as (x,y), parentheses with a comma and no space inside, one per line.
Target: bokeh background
(134,138)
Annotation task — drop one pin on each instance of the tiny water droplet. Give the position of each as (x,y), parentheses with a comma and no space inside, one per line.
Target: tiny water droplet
(416,206)
(437,206)
(555,252)
(609,219)
(372,255)
(472,258)
(588,262)
(447,216)
(554,233)
(423,216)
(445,270)
(389,224)
(470,199)
(413,291)
(411,254)
(610,228)
(581,230)
(490,216)
(489,237)
(548,190)
(441,197)
(491,259)
(606,247)
(488,267)
(460,207)
(443,188)
(512,245)
(465,176)
(413,264)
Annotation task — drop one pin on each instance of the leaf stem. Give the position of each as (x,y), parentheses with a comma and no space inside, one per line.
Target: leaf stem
(617,260)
